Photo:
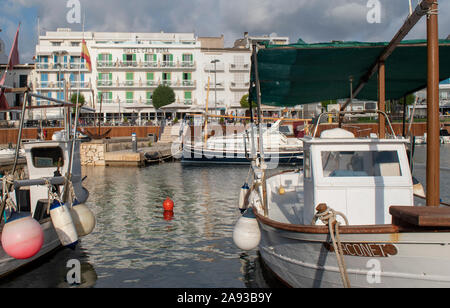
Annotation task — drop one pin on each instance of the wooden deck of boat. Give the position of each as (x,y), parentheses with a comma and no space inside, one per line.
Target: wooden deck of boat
(428,216)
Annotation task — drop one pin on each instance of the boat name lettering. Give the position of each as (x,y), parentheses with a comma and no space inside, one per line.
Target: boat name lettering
(365,249)
(145,50)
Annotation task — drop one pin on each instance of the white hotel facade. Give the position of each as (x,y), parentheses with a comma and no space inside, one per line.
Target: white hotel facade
(128,67)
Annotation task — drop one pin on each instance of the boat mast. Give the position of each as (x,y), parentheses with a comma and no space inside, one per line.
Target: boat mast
(433,155)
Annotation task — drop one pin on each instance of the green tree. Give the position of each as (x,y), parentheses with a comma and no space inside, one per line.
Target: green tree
(73,100)
(410,99)
(162,96)
(244,102)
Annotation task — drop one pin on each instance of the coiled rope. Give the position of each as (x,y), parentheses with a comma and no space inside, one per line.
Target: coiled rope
(328,217)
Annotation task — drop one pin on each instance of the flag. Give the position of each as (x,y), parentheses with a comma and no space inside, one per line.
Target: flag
(85,55)
(14,53)
(3,102)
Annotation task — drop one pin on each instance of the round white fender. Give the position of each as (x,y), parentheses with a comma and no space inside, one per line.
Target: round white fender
(83,218)
(246,233)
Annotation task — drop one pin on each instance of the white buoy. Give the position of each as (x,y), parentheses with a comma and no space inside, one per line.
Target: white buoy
(63,223)
(246,233)
(83,218)
(243,192)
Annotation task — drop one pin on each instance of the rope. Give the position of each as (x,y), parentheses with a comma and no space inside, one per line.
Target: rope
(51,196)
(328,217)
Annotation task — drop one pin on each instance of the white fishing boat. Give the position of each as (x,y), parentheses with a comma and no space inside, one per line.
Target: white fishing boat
(236,148)
(347,218)
(42,204)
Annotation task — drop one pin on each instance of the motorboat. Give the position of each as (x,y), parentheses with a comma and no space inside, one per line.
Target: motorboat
(236,148)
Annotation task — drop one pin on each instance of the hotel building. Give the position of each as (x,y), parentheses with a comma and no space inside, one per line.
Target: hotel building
(128,67)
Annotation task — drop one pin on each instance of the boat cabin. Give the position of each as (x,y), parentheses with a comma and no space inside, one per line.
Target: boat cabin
(360,177)
(46,158)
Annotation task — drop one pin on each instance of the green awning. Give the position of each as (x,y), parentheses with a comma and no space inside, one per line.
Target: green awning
(307,73)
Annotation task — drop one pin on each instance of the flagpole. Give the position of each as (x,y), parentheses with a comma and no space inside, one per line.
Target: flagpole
(74,136)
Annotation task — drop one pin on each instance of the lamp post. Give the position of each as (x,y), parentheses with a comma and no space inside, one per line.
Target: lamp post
(215,84)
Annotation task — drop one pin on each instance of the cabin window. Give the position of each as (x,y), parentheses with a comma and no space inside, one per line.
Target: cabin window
(45,157)
(360,163)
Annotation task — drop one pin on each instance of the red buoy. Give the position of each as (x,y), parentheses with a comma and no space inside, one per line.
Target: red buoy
(168,204)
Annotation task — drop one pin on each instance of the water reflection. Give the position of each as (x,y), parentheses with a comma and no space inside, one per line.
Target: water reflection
(51,272)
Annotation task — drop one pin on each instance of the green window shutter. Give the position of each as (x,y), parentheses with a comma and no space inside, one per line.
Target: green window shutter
(146,57)
(154,57)
(110,95)
(149,95)
(124,57)
(134,57)
(189,76)
(99,96)
(149,76)
(130,76)
(110,76)
(110,57)
(129,95)
(171,57)
(168,76)
(187,95)
(100,76)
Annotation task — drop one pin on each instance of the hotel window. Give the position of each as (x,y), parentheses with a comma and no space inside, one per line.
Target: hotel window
(188,98)
(166,77)
(105,97)
(56,43)
(150,79)
(129,59)
(167,60)
(129,97)
(104,79)
(44,80)
(187,60)
(42,62)
(150,59)
(75,43)
(77,80)
(149,96)
(187,79)
(130,79)
(104,60)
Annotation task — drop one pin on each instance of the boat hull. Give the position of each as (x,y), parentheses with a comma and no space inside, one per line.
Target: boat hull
(390,260)
(9,265)
(204,156)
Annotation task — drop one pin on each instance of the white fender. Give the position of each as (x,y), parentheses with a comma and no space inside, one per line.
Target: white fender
(246,233)
(63,223)
(83,218)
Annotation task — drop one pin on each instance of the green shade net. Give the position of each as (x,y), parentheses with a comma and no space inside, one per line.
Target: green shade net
(307,73)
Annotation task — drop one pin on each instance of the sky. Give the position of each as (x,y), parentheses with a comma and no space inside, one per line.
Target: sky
(310,20)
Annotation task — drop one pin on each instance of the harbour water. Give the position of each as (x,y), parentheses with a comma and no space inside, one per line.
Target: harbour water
(136,244)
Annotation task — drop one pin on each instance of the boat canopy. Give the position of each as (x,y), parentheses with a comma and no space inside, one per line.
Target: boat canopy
(303,73)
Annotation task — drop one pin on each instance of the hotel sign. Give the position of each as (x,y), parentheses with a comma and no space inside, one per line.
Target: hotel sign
(145,50)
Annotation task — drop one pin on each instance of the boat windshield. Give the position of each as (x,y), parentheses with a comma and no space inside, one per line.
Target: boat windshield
(44,157)
(360,163)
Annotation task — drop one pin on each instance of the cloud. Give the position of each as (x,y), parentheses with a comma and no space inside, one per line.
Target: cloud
(313,21)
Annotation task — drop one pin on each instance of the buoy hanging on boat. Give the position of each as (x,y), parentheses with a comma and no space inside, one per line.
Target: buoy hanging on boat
(168,204)
(242,194)
(83,218)
(63,223)
(22,236)
(281,190)
(246,233)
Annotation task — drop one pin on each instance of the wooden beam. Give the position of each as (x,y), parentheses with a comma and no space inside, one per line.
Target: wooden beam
(381,100)
(433,124)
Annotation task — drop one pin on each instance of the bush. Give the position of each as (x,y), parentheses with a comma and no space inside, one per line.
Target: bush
(162,96)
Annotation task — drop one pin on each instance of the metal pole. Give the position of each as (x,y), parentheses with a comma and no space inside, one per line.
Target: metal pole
(433,155)
(381,99)
(404,117)
(215,87)
(26,98)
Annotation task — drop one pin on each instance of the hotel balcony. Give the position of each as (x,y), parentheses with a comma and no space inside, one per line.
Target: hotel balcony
(55,67)
(239,86)
(144,65)
(239,67)
(136,84)
(82,85)
(210,67)
(50,85)
(219,86)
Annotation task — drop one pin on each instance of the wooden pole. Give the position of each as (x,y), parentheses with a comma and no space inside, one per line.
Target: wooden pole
(433,192)
(381,99)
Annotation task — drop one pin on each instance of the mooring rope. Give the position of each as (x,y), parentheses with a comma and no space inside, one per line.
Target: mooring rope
(328,217)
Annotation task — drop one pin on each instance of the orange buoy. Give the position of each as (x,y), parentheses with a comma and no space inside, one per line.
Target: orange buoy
(168,204)
(168,215)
